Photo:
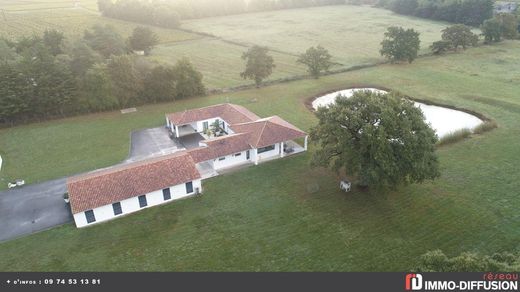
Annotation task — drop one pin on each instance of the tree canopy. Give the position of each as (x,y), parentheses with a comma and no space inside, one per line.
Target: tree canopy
(105,40)
(50,76)
(400,44)
(143,39)
(469,12)
(459,35)
(259,64)
(381,139)
(492,30)
(317,60)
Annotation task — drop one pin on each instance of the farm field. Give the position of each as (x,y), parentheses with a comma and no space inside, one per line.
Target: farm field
(73,22)
(352,34)
(300,220)
(31,5)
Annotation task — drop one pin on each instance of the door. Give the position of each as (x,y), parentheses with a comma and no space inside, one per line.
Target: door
(247,155)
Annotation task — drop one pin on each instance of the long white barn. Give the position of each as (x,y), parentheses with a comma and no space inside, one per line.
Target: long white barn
(243,138)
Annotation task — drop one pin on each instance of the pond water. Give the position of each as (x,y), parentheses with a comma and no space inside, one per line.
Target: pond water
(442,120)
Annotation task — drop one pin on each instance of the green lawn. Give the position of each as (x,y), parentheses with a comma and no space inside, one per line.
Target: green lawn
(283,215)
(352,34)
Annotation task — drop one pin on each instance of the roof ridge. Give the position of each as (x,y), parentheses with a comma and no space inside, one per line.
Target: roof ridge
(123,167)
(261,132)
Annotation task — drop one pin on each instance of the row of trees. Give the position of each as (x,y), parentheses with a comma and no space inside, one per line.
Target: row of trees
(401,44)
(49,76)
(168,14)
(469,12)
(260,65)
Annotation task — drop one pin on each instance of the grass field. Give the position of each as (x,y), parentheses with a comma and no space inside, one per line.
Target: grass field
(352,34)
(244,223)
(221,62)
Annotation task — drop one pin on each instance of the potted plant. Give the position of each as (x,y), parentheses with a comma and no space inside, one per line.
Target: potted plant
(66,197)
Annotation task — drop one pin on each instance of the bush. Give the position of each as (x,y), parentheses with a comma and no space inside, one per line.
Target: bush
(485,126)
(454,137)
(440,47)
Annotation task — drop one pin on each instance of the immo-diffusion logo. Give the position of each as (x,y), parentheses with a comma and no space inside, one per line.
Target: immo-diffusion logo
(413,282)
(490,282)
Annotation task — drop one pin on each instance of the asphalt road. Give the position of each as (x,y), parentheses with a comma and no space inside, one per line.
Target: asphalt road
(32,208)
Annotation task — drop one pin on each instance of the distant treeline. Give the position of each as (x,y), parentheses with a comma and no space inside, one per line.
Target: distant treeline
(48,76)
(469,12)
(169,14)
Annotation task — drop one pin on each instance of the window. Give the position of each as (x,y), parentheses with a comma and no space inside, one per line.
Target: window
(90,216)
(189,187)
(142,201)
(221,158)
(166,194)
(265,149)
(238,154)
(205,126)
(117,208)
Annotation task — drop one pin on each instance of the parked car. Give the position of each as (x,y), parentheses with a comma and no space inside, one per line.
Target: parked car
(16,183)
(345,185)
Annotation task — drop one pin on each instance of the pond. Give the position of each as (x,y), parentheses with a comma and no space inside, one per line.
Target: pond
(442,120)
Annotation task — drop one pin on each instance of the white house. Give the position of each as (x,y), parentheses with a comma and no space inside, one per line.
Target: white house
(246,138)
(103,195)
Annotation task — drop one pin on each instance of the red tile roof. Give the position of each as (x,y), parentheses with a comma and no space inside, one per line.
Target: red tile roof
(231,113)
(99,188)
(268,131)
(220,147)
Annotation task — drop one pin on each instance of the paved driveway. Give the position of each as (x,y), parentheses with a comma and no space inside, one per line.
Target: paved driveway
(151,142)
(37,207)
(33,208)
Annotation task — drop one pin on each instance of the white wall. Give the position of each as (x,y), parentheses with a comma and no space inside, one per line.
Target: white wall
(131,205)
(230,160)
(269,154)
(200,127)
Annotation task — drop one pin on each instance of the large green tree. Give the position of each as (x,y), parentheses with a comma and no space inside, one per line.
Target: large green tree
(459,35)
(82,57)
(382,139)
(188,81)
(105,40)
(317,59)
(126,84)
(96,90)
(54,39)
(400,44)
(492,30)
(508,25)
(143,39)
(15,94)
(160,84)
(259,64)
